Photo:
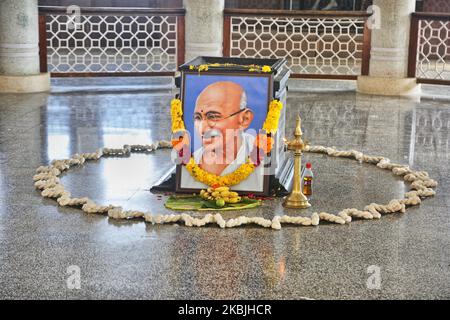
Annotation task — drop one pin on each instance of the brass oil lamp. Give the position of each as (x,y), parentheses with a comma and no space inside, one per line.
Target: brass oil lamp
(297,200)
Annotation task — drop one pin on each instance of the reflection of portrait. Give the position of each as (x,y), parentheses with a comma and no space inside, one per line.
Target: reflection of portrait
(223,115)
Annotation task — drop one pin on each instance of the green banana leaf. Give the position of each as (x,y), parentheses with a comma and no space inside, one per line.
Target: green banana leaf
(196,203)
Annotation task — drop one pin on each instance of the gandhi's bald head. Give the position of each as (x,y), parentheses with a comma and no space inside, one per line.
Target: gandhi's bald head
(224,92)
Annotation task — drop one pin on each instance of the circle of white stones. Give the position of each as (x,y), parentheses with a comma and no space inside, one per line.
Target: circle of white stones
(48,182)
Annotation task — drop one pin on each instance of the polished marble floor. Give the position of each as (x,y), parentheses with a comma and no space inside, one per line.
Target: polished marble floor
(39,241)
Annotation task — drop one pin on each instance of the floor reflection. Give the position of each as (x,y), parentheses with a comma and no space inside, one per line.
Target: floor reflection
(126,259)
(432,131)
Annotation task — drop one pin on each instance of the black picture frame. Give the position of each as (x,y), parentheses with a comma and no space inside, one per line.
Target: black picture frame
(222,72)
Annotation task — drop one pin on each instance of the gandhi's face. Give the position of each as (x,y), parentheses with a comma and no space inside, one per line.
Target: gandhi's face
(218,116)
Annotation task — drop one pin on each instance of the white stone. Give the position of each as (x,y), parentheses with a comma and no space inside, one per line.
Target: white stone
(204,28)
(389,54)
(19,37)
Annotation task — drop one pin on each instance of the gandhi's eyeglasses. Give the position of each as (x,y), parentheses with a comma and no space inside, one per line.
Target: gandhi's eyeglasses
(213,117)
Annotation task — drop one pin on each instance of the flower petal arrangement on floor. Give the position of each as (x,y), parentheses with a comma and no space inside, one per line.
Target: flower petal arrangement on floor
(47,180)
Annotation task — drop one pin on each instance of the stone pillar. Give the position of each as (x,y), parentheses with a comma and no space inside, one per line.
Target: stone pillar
(389,54)
(19,48)
(204,28)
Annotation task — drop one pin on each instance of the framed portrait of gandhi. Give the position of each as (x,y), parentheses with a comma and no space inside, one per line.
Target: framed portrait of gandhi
(223,114)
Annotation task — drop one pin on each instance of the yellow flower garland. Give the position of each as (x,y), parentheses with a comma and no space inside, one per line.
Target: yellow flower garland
(273,116)
(213,180)
(266,69)
(176,111)
(250,68)
(244,170)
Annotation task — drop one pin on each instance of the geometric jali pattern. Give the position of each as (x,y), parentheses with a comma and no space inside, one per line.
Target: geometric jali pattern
(331,46)
(112,44)
(433,54)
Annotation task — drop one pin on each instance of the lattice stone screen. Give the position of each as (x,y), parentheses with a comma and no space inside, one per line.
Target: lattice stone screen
(111,43)
(433,56)
(318,46)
